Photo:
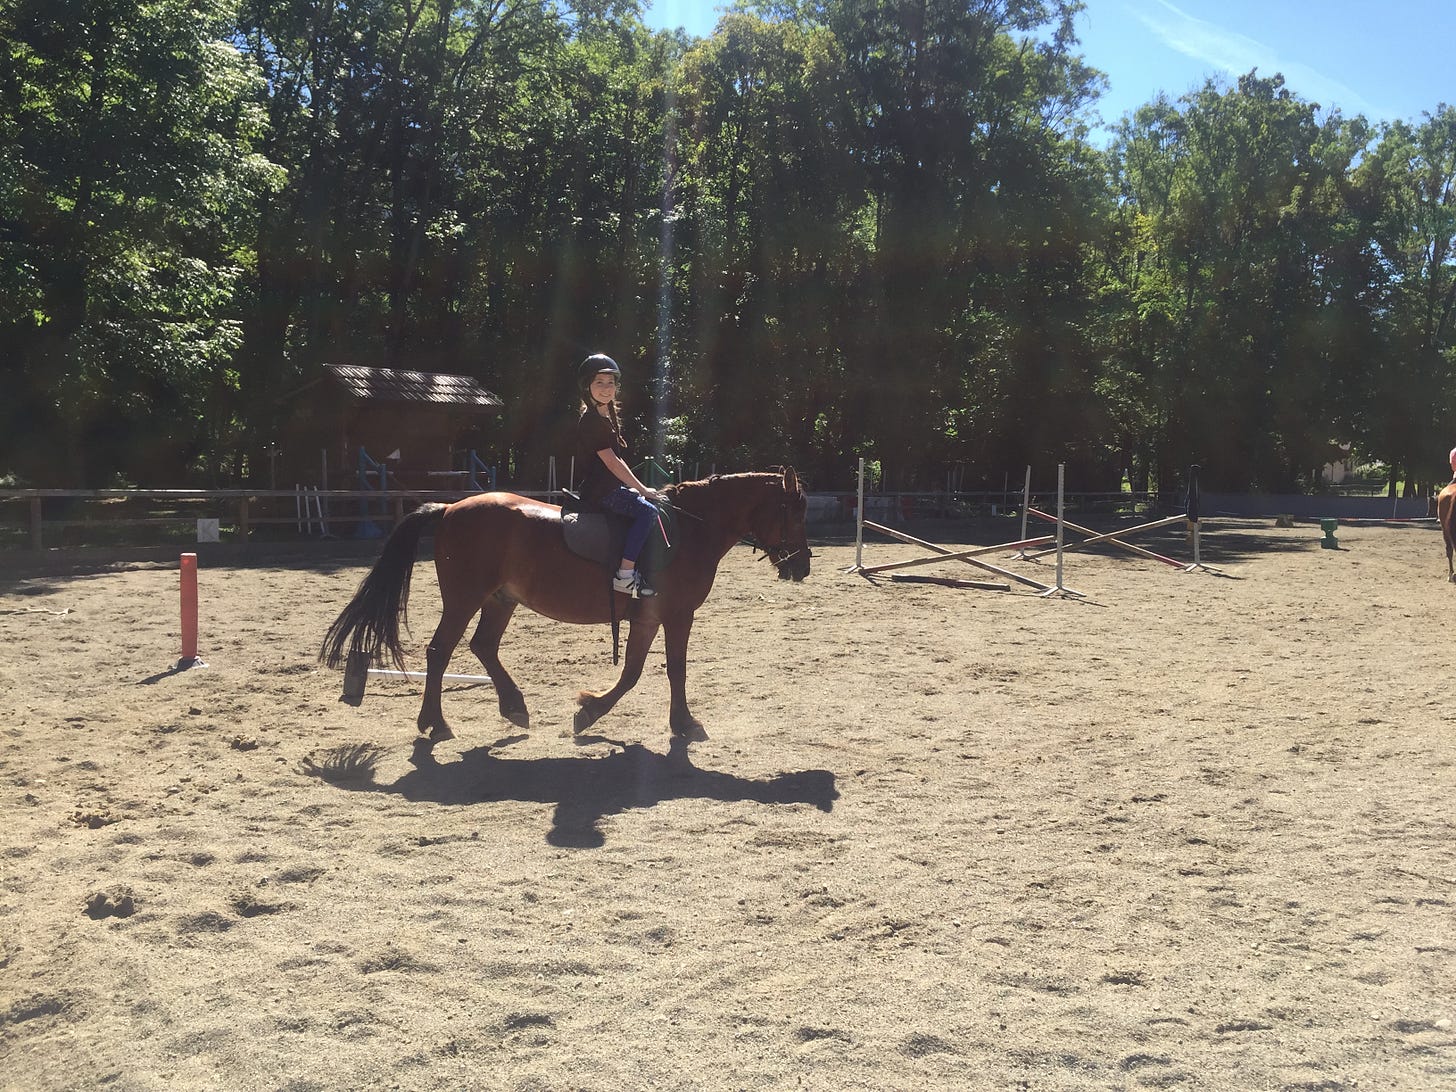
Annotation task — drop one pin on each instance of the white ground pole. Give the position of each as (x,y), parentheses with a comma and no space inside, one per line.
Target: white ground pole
(1061,509)
(420,676)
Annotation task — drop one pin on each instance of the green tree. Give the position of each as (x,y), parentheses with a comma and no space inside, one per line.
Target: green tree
(474,187)
(767,194)
(1400,404)
(878,193)
(127,179)
(1233,274)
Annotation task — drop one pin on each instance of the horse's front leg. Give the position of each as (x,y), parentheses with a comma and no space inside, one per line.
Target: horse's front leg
(595,706)
(675,634)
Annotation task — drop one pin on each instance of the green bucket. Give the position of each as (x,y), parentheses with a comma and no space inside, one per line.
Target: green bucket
(1328,525)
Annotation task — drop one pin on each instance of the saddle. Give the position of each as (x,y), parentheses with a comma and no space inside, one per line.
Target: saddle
(601,536)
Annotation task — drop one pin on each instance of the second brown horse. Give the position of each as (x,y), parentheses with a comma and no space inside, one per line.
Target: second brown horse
(496,551)
(1445,509)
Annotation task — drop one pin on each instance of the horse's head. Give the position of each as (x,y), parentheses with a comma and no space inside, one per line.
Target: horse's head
(779,525)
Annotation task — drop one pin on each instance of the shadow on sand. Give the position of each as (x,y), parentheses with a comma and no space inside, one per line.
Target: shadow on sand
(584,789)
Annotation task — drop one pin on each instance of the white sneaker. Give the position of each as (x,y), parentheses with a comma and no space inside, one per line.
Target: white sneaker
(633,583)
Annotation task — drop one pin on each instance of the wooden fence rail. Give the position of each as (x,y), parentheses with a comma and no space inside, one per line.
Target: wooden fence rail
(245,509)
(243,503)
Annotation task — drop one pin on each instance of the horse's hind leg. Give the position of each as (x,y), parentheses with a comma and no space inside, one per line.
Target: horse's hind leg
(1445,518)
(596,706)
(437,658)
(486,645)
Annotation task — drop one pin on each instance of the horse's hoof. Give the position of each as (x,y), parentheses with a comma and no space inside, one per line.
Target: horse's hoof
(690,729)
(583,720)
(516,714)
(440,733)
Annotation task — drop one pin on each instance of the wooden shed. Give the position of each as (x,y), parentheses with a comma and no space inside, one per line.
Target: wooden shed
(420,424)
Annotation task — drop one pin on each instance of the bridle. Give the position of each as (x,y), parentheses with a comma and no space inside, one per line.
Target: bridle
(780,553)
(777,554)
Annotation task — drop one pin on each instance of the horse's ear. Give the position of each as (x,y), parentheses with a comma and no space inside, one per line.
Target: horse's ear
(791,480)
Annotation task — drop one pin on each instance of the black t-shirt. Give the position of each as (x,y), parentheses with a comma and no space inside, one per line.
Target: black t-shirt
(594,433)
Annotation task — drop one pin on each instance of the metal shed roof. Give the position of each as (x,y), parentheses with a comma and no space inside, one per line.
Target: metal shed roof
(422,388)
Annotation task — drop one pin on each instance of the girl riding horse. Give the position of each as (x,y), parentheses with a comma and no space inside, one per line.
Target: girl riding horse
(496,551)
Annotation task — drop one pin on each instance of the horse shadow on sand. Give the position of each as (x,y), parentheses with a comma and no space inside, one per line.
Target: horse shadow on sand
(585,789)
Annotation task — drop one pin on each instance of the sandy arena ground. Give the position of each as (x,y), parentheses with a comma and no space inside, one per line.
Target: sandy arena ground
(1192,832)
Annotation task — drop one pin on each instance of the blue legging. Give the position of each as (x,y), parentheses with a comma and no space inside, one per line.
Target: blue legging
(622,501)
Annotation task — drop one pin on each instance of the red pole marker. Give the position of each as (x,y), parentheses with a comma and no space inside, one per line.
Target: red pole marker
(189,613)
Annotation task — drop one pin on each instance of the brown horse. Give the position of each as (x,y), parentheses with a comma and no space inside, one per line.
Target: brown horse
(1445,506)
(495,551)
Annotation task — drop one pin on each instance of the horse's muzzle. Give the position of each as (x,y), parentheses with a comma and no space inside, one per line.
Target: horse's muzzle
(795,566)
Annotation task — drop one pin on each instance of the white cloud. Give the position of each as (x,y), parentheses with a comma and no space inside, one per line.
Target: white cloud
(1234,54)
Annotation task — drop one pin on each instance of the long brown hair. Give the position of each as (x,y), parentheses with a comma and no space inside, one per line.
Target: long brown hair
(614,413)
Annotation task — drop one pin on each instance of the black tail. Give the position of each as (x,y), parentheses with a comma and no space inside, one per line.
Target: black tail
(370,623)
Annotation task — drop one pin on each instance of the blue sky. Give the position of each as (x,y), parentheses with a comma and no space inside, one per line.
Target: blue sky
(1386,59)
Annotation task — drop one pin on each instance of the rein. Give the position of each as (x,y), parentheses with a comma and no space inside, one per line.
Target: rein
(778,555)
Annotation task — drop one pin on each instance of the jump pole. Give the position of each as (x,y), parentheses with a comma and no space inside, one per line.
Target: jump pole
(859,521)
(1025,504)
(189,658)
(913,541)
(1112,538)
(943,554)
(1061,507)
(1191,516)
(1193,513)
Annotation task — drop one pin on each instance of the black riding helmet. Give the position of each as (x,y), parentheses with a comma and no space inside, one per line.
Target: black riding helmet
(592,367)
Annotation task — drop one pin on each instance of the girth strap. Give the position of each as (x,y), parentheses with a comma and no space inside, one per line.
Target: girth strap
(616,622)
